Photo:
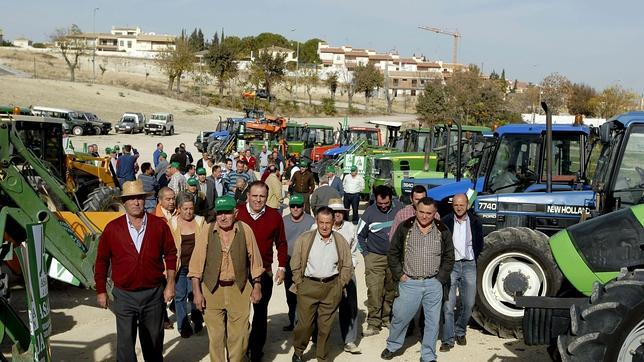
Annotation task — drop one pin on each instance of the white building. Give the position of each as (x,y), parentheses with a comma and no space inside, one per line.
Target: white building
(404,75)
(291,55)
(21,43)
(129,41)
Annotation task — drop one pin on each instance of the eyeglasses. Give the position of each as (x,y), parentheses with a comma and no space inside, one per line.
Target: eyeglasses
(295,206)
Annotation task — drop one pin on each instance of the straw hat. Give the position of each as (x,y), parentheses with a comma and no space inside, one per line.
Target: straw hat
(337,205)
(133,188)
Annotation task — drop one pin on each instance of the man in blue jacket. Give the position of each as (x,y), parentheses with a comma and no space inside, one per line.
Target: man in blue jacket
(126,166)
(467,237)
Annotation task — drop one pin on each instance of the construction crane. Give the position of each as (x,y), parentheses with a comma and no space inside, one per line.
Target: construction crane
(454,34)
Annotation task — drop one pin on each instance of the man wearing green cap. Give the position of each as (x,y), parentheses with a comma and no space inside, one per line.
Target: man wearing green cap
(177,182)
(353,184)
(198,198)
(303,183)
(207,187)
(220,270)
(295,223)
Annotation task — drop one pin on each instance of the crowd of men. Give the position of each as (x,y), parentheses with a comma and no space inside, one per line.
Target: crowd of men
(415,261)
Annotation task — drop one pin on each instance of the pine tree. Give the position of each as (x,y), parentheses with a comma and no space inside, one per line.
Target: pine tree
(201,39)
(215,40)
(503,75)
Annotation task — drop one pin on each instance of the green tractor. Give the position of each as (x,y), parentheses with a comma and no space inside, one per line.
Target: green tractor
(433,158)
(600,259)
(587,257)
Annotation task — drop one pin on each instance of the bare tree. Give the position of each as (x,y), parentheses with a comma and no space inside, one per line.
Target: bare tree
(310,79)
(71,45)
(175,62)
(348,84)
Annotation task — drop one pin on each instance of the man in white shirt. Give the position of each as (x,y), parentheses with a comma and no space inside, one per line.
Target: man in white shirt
(353,185)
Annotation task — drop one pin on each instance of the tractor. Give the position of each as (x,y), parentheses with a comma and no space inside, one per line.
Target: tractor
(31,187)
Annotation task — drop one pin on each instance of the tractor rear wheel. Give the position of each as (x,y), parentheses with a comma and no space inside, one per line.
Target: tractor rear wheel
(103,199)
(212,149)
(610,326)
(515,261)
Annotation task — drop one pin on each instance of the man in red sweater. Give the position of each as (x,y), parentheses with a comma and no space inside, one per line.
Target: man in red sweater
(268,227)
(136,245)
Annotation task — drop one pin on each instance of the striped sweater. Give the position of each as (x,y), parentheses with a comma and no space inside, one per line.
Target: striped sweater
(373,229)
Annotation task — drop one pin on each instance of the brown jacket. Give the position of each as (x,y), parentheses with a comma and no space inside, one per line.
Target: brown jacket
(158,211)
(303,182)
(201,234)
(300,256)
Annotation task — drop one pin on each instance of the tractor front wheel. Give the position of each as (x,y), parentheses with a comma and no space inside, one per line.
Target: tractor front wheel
(103,199)
(610,326)
(515,261)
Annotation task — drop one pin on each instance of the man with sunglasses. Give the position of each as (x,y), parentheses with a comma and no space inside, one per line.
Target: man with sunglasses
(295,224)
(135,246)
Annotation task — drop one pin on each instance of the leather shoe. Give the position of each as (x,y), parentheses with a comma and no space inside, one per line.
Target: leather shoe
(461,341)
(387,354)
(296,358)
(445,347)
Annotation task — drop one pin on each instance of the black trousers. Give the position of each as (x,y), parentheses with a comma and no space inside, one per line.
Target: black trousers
(142,310)
(260,319)
(291,298)
(352,201)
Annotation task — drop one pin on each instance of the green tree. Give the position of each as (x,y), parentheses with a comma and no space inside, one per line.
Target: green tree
(367,78)
(432,104)
(71,46)
(580,99)
(555,88)
(269,69)
(175,62)
(222,64)
(614,100)
(331,82)
(309,51)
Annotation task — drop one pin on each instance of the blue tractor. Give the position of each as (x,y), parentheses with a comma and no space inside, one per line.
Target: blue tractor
(536,182)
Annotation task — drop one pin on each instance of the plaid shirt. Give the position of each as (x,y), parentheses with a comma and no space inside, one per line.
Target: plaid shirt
(422,252)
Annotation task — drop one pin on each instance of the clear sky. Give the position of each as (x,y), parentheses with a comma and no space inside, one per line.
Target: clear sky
(595,42)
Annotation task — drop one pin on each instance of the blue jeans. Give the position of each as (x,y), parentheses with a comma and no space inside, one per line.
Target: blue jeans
(183,288)
(413,294)
(464,278)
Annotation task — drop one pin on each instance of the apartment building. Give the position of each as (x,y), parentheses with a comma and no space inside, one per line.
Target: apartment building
(404,75)
(129,41)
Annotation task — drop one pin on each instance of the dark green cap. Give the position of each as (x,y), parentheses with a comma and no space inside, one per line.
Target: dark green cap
(354,168)
(174,164)
(296,199)
(304,163)
(201,171)
(225,203)
(108,150)
(330,169)
(192,181)
(116,148)
(163,154)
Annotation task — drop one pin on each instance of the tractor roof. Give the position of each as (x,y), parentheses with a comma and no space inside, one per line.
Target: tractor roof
(627,118)
(539,128)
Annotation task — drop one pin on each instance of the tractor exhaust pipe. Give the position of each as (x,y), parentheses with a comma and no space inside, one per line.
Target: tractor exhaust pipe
(449,136)
(548,147)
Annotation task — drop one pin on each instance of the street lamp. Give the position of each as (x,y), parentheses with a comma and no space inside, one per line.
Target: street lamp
(95,40)
(297,61)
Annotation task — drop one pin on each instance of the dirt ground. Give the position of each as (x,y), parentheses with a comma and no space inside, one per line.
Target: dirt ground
(83,332)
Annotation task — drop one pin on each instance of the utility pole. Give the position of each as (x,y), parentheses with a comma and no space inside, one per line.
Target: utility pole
(95,40)
(455,34)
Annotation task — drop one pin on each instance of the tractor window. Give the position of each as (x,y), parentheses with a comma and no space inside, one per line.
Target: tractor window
(629,185)
(515,163)
(292,133)
(404,165)
(566,156)
(370,136)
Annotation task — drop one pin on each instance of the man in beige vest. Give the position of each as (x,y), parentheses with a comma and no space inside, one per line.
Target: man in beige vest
(322,266)
(219,270)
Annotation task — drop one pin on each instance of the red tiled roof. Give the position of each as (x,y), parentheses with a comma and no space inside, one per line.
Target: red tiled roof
(332,50)
(428,65)
(380,57)
(357,53)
